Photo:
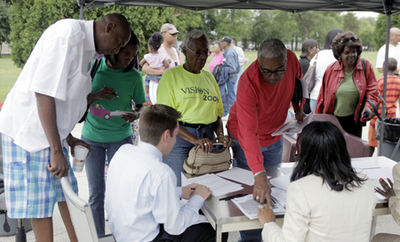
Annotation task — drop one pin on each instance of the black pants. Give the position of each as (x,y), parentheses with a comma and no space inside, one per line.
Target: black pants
(203,232)
(306,106)
(350,126)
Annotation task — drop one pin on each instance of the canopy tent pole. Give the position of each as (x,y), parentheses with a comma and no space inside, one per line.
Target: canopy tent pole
(388,12)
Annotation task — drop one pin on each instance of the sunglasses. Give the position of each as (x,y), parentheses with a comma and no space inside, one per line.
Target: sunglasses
(347,39)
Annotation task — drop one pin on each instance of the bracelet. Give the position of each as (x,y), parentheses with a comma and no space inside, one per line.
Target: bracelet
(221,134)
(258,173)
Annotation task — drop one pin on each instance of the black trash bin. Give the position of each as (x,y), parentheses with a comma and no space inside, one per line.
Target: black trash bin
(390,147)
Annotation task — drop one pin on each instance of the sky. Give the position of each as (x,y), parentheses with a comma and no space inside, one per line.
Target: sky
(366,14)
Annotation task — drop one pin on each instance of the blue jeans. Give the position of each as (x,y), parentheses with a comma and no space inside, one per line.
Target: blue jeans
(151,77)
(181,149)
(95,164)
(231,96)
(272,155)
(313,104)
(238,78)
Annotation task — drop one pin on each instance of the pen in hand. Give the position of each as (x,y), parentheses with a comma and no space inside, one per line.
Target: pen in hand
(114,93)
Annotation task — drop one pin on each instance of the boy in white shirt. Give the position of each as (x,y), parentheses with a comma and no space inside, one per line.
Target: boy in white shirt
(142,200)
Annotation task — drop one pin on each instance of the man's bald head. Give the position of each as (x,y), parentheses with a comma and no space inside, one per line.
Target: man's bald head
(111,33)
(394,36)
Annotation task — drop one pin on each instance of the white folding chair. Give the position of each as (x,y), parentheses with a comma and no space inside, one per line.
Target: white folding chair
(81,216)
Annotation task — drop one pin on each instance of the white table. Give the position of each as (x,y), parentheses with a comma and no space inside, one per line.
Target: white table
(224,216)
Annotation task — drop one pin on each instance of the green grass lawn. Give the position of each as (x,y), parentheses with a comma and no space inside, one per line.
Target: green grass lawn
(8,75)
(9,72)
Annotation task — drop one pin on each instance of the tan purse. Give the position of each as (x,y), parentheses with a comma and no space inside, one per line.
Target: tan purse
(198,163)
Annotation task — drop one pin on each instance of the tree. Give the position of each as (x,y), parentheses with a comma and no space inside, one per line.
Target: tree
(380,29)
(144,21)
(351,23)
(29,18)
(4,23)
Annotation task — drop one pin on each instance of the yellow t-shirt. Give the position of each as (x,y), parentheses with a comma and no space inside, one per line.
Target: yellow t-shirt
(195,96)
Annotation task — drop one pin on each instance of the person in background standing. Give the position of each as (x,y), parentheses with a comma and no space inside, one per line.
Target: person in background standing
(324,59)
(241,59)
(394,50)
(169,33)
(346,85)
(308,50)
(217,57)
(229,74)
(392,95)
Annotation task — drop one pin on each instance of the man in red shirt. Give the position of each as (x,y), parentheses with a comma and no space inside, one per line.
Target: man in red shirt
(263,98)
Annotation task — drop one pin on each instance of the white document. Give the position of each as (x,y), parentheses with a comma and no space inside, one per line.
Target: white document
(218,185)
(286,170)
(279,195)
(361,164)
(376,174)
(239,175)
(249,206)
(292,126)
(281,182)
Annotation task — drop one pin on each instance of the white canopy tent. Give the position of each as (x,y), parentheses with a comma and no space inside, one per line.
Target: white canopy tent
(387,7)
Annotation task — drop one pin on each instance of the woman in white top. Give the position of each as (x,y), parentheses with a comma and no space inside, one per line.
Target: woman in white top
(324,58)
(169,33)
(327,200)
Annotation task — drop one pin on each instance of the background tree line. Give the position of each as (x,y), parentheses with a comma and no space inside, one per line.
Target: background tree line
(29,18)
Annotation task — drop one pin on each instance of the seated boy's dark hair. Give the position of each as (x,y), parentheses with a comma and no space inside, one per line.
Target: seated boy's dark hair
(154,120)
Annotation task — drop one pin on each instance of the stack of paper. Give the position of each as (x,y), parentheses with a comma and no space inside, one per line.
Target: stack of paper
(249,206)
(218,185)
(239,175)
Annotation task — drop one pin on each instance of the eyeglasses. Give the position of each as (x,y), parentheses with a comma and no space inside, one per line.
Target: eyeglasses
(206,53)
(269,73)
(347,39)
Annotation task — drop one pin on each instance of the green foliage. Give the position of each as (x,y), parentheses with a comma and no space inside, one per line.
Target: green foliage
(350,23)
(380,28)
(29,18)
(4,23)
(144,21)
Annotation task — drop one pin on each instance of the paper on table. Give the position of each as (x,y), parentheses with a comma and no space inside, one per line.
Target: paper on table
(361,164)
(281,182)
(286,170)
(375,174)
(292,126)
(218,185)
(279,195)
(239,175)
(249,206)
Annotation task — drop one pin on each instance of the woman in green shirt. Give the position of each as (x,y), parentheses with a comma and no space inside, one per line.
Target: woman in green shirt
(115,84)
(347,84)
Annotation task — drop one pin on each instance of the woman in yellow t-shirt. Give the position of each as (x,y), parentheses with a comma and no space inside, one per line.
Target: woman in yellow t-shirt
(195,94)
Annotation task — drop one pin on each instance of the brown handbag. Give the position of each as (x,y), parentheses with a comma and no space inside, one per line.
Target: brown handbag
(198,163)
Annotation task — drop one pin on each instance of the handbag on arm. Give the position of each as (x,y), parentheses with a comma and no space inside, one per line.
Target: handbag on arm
(198,163)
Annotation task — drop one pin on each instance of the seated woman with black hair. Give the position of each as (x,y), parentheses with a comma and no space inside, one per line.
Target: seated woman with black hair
(327,200)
